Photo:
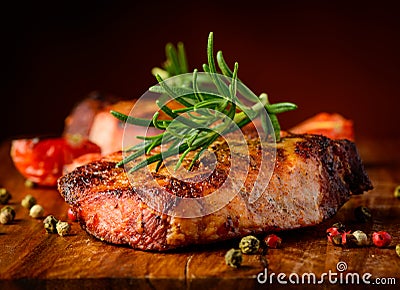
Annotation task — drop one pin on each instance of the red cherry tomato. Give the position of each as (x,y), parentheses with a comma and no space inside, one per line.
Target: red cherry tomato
(42,160)
(333,126)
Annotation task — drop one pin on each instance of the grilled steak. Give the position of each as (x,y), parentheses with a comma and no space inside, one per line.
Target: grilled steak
(312,178)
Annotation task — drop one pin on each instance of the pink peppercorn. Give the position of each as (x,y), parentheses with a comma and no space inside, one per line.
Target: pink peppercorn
(381,239)
(273,241)
(71,215)
(331,232)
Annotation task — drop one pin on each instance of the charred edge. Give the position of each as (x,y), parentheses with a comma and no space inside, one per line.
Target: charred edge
(357,177)
(341,168)
(75,184)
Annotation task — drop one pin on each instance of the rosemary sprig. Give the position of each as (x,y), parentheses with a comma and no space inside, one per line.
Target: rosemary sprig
(204,115)
(176,62)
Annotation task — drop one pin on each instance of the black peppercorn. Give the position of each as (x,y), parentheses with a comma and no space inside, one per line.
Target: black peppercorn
(341,227)
(350,240)
(363,214)
(50,224)
(5,196)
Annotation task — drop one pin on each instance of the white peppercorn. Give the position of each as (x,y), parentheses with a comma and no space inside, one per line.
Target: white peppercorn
(36,211)
(7,215)
(5,218)
(361,238)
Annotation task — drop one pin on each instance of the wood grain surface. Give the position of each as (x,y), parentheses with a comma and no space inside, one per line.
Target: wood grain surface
(32,259)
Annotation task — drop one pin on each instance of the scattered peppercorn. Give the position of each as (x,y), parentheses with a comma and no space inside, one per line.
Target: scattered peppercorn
(397,192)
(340,238)
(50,224)
(9,209)
(71,215)
(381,239)
(233,258)
(361,238)
(345,237)
(337,240)
(363,214)
(28,201)
(63,228)
(36,211)
(398,250)
(349,241)
(273,241)
(340,227)
(332,232)
(7,215)
(29,183)
(249,245)
(5,196)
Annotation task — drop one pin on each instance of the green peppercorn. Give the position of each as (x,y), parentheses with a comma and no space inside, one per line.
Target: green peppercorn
(36,211)
(5,196)
(398,250)
(363,214)
(7,215)
(397,192)
(50,224)
(28,201)
(233,258)
(63,228)
(249,245)
(29,183)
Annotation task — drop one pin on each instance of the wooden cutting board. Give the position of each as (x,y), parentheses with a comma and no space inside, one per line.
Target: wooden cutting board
(31,258)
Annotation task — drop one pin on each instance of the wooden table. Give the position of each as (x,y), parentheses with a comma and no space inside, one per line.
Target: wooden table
(30,258)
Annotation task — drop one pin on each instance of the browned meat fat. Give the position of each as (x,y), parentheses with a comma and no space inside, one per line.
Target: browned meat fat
(313,177)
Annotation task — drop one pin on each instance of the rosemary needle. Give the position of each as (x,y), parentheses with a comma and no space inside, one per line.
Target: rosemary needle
(204,115)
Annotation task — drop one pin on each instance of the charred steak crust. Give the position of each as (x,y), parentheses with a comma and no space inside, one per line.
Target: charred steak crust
(340,177)
(313,177)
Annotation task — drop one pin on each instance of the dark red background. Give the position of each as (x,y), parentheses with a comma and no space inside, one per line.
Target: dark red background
(335,56)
